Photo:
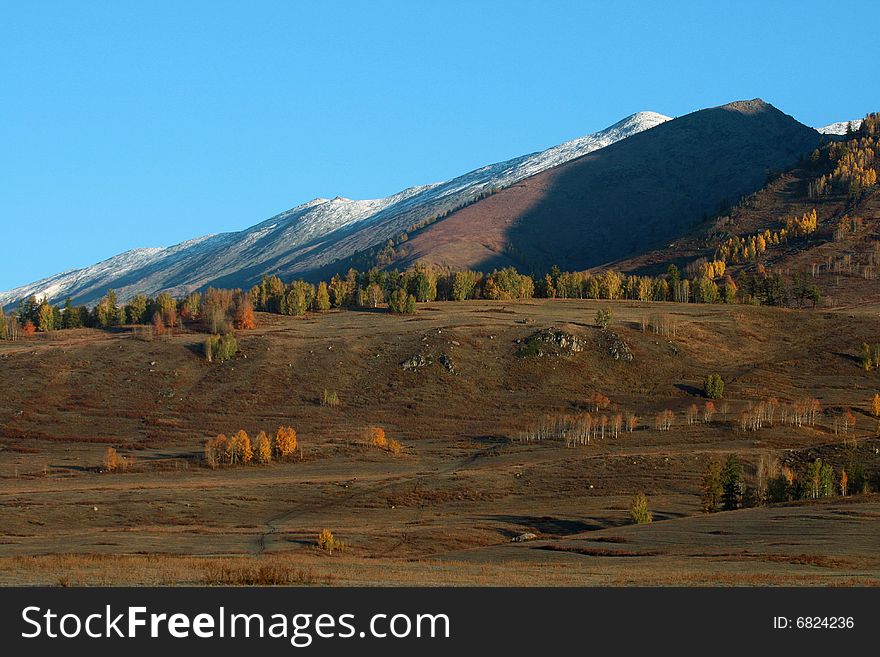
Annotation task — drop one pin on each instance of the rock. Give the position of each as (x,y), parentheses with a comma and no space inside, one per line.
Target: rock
(528,536)
(551,342)
(446,362)
(618,349)
(416,362)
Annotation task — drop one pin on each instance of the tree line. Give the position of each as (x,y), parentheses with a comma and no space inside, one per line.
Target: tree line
(725,486)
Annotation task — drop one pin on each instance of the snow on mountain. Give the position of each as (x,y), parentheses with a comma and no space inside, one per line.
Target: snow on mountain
(839,128)
(307,237)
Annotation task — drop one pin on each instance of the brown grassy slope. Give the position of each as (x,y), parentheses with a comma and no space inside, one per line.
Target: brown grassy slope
(635,194)
(786,197)
(460,485)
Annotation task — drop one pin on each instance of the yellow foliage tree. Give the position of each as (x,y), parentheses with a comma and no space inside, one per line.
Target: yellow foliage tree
(376,436)
(327,542)
(264,448)
(240,445)
(285,442)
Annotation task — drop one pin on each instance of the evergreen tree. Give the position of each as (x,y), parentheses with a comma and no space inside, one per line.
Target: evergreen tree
(731,483)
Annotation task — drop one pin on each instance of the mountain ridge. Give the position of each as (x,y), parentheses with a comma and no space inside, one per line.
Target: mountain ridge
(308,236)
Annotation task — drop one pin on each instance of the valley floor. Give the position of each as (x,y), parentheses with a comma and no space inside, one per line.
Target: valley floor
(445,510)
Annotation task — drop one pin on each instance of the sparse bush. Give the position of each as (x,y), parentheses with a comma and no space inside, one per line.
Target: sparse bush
(638,510)
(603,318)
(394,447)
(329,398)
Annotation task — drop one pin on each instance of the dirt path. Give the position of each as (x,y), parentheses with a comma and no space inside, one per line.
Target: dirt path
(418,480)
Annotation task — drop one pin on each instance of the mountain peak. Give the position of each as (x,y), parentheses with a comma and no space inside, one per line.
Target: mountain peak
(752,106)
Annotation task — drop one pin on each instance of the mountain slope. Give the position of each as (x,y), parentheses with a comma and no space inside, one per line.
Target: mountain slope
(631,196)
(309,236)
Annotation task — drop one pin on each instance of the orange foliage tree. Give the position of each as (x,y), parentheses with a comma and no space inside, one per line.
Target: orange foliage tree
(376,437)
(244,313)
(285,442)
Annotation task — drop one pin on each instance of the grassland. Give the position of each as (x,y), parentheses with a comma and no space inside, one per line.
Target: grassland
(445,510)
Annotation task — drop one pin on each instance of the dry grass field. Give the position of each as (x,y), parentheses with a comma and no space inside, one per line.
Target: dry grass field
(445,510)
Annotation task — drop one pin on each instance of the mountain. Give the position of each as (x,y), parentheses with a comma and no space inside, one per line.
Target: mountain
(633,195)
(839,128)
(310,236)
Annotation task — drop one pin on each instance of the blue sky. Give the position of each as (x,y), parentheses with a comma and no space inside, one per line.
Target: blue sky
(129,124)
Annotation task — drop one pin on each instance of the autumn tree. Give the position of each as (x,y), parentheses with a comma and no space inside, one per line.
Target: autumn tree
(111,460)
(322,298)
(401,302)
(263,453)
(327,542)
(600,401)
(712,489)
(708,411)
(135,310)
(632,421)
(638,510)
(376,437)
(244,313)
(875,405)
(240,447)
(46,317)
(603,318)
(215,450)
(159,325)
(107,312)
(463,285)
(285,442)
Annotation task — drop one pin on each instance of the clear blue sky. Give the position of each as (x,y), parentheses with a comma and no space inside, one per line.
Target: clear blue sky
(127,124)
